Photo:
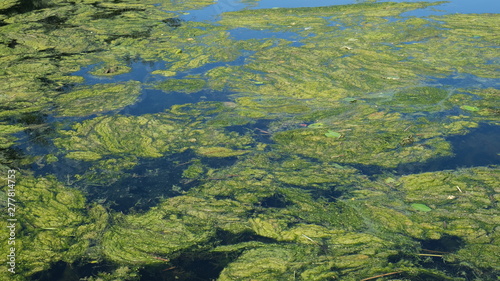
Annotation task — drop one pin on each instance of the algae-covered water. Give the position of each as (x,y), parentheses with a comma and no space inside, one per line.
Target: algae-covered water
(249,140)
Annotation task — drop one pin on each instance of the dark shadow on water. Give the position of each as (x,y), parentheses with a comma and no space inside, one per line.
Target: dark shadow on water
(202,266)
(151,181)
(62,271)
(258,128)
(445,245)
(480,147)
(25,6)
(143,186)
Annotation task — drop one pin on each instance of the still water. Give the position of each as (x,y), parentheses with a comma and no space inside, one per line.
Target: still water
(251,140)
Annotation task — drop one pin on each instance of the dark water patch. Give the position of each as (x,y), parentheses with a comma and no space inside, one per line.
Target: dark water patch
(258,128)
(241,60)
(156,101)
(445,245)
(145,185)
(189,267)
(152,180)
(173,22)
(132,35)
(330,194)
(52,23)
(229,238)
(53,20)
(25,6)
(12,44)
(203,266)
(372,171)
(274,201)
(219,163)
(480,147)
(11,157)
(463,80)
(140,71)
(62,271)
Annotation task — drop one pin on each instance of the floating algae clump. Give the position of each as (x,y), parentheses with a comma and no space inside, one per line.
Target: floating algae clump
(39,48)
(8,3)
(98,98)
(485,105)
(178,226)
(144,136)
(346,50)
(6,138)
(418,99)
(273,263)
(368,136)
(293,209)
(183,127)
(298,234)
(463,209)
(53,225)
(181,85)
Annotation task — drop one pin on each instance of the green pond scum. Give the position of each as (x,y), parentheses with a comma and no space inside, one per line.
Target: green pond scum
(313,162)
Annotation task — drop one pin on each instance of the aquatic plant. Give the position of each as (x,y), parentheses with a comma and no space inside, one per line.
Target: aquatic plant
(359,90)
(53,224)
(85,100)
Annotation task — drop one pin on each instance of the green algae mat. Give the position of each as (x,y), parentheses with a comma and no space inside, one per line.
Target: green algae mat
(346,142)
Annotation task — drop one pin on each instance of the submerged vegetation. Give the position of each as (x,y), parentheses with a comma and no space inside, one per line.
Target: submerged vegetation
(295,171)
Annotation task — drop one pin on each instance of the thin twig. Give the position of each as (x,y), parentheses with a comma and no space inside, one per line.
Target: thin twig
(162,259)
(432,251)
(381,275)
(310,239)
(262,131)
(407,128)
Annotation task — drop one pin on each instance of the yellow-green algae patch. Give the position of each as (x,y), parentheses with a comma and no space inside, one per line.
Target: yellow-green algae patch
(463,204)
(419,99)
(181,128)
(53,224)
(87,100)
(39,48)
(6,131)
(487,105)
(372,137)
(285,201)
(183,223)
(190,225)
(356,58)
(354,237)
(181,85)
(295,18)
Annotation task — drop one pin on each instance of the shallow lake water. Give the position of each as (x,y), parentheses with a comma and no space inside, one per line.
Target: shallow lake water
(250,140)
